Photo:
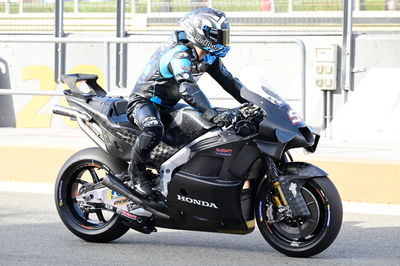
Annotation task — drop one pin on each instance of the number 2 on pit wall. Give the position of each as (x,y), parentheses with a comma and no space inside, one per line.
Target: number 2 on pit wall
(30,116)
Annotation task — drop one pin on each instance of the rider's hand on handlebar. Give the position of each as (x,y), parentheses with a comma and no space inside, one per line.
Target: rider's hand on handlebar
(221,119)
(209,114)
(224,119)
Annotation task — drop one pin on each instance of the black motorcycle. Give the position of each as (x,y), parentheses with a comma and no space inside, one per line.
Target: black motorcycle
(213,178)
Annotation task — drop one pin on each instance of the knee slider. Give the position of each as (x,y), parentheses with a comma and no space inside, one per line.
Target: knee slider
(154,127)
(152,134)
(155,133)
(146,141)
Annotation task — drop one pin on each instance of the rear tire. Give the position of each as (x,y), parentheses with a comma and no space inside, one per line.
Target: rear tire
(303,237)
(85,167)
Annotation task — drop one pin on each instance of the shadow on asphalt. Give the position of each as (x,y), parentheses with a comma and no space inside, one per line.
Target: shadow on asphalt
(353,242)
(31,231)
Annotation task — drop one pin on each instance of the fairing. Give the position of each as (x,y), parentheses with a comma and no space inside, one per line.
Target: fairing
(282,128)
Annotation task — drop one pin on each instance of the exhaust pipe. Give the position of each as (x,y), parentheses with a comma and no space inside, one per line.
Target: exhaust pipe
(81,119)
(158,209)
(65,111)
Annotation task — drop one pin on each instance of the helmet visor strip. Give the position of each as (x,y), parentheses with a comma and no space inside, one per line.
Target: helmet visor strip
(218,36)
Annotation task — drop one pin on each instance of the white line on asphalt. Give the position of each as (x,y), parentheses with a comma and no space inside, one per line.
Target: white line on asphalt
(371,208)
(348,207)
(27,187)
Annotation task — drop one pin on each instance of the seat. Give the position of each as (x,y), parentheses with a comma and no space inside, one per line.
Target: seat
(117,113)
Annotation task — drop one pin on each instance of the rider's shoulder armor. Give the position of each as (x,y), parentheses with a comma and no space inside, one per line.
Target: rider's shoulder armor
(172,64)
(177,61)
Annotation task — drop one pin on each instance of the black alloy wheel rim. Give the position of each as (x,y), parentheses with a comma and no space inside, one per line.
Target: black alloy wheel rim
(302,232)
(79,178)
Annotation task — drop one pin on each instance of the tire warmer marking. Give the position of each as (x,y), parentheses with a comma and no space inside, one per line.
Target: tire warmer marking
(86,227)
(328,209)
(321,194)
(60,202)
(94,165)
(329,214)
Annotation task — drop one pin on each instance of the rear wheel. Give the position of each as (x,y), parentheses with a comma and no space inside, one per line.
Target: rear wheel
(301,237)
(81,172)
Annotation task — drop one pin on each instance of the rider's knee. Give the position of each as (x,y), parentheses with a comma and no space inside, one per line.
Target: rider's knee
(152,133)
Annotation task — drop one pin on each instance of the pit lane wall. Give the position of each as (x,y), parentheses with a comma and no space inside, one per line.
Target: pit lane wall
(377,61)
(36,155)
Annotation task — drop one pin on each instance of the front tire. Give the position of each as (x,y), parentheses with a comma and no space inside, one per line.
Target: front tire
(302,237)
(84,168)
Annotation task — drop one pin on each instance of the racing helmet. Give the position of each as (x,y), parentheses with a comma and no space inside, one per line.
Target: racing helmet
(208,29)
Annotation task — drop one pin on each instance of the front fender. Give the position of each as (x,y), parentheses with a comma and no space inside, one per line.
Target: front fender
(302,170)
(297,171)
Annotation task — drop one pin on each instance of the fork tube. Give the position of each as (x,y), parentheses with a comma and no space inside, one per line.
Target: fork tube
(277,186)
(273,174)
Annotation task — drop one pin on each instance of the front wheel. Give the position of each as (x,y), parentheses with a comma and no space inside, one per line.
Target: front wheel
(301,237)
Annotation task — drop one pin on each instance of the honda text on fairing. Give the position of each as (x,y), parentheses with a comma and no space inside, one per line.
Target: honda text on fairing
(214,178)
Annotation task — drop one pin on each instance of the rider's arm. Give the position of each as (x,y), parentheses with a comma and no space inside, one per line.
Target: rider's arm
(192,95)
(189,90)
(232,85)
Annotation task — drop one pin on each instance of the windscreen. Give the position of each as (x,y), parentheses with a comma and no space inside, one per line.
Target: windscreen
(278,112)
(259,93)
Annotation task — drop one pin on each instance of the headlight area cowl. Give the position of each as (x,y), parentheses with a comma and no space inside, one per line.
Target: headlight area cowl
(274,139)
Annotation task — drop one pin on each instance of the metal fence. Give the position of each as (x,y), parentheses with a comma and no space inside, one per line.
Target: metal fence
(282,15)
(108,70)
(59,19)
(150,6)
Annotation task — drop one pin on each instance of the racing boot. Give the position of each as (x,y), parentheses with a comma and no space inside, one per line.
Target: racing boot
(140,181)
(153,178)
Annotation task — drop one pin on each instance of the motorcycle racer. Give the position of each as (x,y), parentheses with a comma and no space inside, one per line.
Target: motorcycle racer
(171,75)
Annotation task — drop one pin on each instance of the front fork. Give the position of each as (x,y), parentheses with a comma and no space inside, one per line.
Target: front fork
(278,188)
(279,196)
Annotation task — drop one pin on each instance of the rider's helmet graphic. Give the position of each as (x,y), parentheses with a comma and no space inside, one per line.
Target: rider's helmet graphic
(208,29)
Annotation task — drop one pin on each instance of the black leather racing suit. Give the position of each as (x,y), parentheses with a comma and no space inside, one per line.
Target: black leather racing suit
(171,75)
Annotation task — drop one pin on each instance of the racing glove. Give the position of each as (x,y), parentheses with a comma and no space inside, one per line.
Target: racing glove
(221,119)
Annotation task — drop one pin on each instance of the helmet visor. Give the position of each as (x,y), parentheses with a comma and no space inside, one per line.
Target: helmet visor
(217,36)
(224,37)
